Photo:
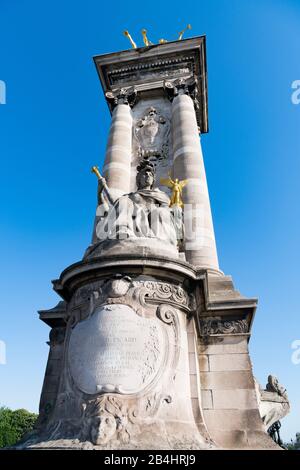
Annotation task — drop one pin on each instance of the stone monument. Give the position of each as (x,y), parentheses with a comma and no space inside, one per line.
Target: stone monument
(149,344)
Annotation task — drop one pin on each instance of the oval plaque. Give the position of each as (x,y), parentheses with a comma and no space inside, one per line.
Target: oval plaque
(115,350)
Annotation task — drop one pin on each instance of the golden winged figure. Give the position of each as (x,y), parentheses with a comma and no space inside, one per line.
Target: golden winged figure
(147,42)
(176,186)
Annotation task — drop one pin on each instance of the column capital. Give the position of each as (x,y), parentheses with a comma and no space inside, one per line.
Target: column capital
(182,86)
(121,96)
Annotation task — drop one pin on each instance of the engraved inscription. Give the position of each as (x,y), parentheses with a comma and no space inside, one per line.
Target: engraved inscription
(115,350)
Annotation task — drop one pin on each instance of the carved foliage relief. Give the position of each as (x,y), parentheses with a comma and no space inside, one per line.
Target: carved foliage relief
(215,325)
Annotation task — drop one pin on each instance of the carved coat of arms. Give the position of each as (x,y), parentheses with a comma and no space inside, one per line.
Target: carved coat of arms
(152,132)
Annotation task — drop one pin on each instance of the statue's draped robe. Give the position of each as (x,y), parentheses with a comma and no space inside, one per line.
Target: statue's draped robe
(144,213)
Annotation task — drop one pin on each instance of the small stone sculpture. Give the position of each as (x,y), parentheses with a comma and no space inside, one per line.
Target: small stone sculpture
(273,402)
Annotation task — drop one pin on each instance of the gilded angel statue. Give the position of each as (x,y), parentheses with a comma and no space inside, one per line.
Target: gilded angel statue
(176,186)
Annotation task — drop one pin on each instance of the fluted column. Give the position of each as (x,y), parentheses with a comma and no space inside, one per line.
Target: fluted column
(117,164)
(200,245)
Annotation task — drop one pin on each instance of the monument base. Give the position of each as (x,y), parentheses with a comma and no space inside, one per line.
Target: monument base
(148,353)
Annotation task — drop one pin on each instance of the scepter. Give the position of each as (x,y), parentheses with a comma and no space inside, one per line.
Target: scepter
(102,180)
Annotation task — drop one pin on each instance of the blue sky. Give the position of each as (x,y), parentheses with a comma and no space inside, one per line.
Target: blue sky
(53,128)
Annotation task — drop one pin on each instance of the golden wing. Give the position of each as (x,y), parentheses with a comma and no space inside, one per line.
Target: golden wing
(183,183)
(166,182)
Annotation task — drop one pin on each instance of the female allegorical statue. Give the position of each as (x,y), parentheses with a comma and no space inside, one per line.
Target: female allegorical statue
(144,213)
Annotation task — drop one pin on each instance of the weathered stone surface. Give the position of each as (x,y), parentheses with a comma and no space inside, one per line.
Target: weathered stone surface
(206,399)
(115,351)
(188,163)
(240,399)
(53,366)
(193,363)
(232,420)
(194,386)
(227,380)
(234,344)
(219,362)
(203,362)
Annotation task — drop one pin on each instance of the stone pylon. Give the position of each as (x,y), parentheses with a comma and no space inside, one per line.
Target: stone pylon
(149,345)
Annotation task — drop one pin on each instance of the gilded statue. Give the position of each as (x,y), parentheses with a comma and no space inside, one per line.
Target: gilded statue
(148,43)
(177,187)
(128,35)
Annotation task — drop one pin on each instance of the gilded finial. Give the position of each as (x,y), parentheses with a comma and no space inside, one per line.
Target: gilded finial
(145,39)
(104,196)
(95,170)
(183,31)
(128,35)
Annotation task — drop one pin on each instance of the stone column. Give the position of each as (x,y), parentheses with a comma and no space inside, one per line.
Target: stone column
(117,164)
(200,245)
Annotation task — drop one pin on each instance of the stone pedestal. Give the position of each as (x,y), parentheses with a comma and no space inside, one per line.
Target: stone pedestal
(155,356)
(129,374)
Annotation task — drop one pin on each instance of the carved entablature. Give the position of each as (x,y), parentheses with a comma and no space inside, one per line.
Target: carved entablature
(122,96)
(163,68)
(182,86)
(218,326)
